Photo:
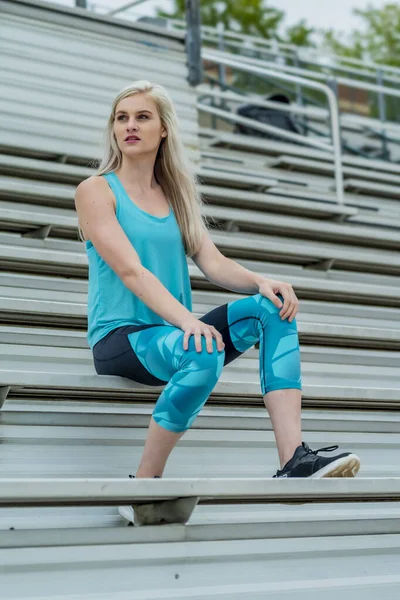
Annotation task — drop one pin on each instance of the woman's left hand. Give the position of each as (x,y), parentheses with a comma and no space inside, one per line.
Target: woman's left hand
(290,307)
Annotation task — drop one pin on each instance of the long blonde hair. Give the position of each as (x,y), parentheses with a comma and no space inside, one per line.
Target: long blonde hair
(172,169)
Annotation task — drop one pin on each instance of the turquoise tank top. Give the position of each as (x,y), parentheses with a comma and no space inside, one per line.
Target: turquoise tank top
(158,242)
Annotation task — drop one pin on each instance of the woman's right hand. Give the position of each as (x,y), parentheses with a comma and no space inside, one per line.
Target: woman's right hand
(197,328)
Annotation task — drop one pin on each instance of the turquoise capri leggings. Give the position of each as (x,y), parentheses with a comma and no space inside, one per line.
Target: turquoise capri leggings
(154,355)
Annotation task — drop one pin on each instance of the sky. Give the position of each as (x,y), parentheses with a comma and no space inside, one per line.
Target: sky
(326,13)
(318,13)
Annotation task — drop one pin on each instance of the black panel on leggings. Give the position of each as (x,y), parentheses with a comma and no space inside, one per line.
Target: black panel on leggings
(219,318)
(113,354)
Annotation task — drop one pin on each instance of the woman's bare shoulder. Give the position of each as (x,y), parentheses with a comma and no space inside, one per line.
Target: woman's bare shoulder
(95,184)
(94,181)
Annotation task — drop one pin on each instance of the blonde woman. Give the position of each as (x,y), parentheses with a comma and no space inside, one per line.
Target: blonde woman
(141,217)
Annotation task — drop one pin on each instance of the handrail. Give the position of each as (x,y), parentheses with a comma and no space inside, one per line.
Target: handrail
(239,36)
(314,112)
(236,63)
(314,75)
(274,44)
(381,90)
(124,7)
(336,67)
(371,64)
(294,137)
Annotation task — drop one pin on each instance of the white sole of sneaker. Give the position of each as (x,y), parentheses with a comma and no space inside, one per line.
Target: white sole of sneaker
(348,466)
(161,512)
(126,512)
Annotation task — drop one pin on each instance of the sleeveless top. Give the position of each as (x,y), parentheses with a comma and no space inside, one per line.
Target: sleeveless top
(159,244)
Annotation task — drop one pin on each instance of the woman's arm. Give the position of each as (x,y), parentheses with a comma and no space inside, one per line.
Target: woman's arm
(97,219)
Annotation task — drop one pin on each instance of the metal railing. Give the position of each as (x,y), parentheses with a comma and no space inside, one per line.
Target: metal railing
(280,49)
(381,91)
(125,7)
(235,62)
(332,69)
(323,76)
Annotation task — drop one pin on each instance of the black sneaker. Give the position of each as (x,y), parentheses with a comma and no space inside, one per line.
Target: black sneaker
(306,463)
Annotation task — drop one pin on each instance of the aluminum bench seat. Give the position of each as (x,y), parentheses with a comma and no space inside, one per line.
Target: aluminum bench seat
(63,438)
(62,222)
(67,257)
(367,187)
(309,253)
(320,190)
(300,227)
(376,364)
(61,195)
(42,221)
(236,180)
(334,285)
(43,170)
(382,206)
(318,322)
(230,196)
(226,139)
(44,370)
(315,166)
(319,185)
(102,525)
(14,190)
(127,566)
(103,491)
(55,129)
(55,191)
(76,432)
(19,173)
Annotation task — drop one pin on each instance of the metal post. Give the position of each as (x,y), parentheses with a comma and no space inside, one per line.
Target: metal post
(213,116)
(299,93)
(193,42)
(336,133)
(382,111)
(222,68)
(81,3)
(237,62)
(332,83)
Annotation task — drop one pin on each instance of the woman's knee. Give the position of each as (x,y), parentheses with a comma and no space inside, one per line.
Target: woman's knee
(267,304)
(204,361)
(189,388)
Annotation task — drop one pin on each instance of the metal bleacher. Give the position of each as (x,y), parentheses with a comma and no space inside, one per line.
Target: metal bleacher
(69,438)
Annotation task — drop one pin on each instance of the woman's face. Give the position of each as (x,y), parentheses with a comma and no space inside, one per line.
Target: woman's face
(138,116)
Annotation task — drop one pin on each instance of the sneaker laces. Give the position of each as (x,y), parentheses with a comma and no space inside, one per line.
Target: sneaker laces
(308,450)
(327,449)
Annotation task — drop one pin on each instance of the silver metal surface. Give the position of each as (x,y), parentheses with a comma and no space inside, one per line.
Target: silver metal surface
(242,65)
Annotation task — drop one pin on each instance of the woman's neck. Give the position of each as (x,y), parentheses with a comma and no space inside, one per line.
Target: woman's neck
(138,174)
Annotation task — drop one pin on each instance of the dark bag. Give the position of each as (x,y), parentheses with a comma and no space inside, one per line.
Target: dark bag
(269,116)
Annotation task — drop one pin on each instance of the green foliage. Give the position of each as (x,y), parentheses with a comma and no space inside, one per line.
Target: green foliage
(252,17)
(299,34)
(379,40)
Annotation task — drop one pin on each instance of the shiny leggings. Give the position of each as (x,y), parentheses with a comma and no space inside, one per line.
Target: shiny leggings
(154,355)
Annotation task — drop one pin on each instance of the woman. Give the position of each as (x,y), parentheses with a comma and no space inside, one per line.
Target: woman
(140,217)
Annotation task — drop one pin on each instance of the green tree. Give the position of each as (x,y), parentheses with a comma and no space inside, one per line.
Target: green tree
(379,40)
(252,17)
(299,34)
(245,16)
